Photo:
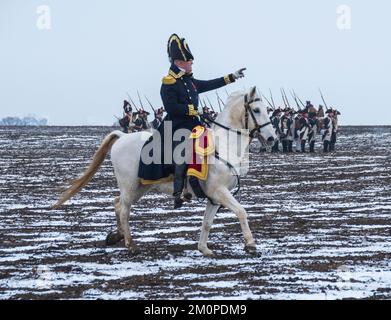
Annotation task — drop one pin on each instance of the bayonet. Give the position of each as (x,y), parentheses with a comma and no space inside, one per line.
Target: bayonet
(271,96)
(210,103)
(286,98)
(218,100)
(268,102)
(130,98)
(299,99)
(321,94)
(283,98)
(139,99)
(295,98)
(154,111)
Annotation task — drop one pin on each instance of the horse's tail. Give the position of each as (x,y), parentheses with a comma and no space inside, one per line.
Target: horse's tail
(99,157)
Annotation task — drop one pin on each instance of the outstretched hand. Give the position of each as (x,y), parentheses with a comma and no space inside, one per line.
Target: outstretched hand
(239,74)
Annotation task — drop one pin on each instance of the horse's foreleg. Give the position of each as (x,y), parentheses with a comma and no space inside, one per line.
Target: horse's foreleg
(228,201)
(209,215)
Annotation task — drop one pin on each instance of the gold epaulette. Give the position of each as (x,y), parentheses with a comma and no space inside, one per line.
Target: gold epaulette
(169,79)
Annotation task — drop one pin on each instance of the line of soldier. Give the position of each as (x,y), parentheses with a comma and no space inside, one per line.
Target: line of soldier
(299,127)
(303,126)
(138,121)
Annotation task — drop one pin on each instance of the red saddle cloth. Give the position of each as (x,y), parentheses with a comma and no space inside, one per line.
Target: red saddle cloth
(203,145)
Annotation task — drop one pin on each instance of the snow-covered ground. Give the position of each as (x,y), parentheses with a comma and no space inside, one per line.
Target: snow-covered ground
(322,224)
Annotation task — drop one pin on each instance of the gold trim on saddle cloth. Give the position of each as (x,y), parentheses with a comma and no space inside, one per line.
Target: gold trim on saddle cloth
(170,178)
(202,152)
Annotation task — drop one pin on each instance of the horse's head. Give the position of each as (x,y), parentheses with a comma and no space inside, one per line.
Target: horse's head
(249,109)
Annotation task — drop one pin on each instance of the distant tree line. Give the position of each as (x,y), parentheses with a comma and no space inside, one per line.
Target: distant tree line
(25,121)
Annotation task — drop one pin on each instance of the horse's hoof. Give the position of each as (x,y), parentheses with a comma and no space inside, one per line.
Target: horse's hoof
(113,238)
(251,249)
(207,252)
(134,251)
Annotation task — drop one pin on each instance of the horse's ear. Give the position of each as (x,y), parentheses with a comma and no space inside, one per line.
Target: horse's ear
(253,91)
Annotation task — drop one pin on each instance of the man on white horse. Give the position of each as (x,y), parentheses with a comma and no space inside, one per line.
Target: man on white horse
(243,118)
(179,92)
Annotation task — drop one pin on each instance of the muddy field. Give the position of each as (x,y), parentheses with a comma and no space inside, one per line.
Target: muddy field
(321,222)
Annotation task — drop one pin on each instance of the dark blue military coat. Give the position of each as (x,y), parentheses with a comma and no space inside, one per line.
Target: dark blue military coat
(180,92)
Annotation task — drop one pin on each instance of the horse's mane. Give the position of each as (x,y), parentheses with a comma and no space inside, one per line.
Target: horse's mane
(234,96)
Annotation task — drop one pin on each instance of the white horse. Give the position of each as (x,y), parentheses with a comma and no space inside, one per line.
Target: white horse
(244,110)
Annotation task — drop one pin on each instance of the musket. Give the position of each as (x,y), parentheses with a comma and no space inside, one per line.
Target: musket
(298,98)
(130,98)
(271,96)
(259,94)
(221,100)
(283,98)
(218,100)
(268,102)
(294,97)
(139,99)
(154,111)
(286,98)
(210,104)
(321,94)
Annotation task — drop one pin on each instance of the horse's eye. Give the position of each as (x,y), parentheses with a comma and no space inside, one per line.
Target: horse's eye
(256,110)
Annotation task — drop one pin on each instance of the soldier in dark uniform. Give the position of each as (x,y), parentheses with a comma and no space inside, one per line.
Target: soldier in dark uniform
(333,138)
(275,120)
(285,124)
(328,128)
(125,121)
(141,123)
(304,128)
(158,118)
(313,125)
(179,93)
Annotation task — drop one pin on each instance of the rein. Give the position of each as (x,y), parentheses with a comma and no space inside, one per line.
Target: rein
(249,111)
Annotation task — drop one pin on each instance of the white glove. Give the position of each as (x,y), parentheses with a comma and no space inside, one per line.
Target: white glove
(238,74)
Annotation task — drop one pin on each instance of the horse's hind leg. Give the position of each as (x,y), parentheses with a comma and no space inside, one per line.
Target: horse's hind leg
(125,203)
(116,236)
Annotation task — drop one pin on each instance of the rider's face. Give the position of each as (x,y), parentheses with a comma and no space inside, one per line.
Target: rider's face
(185,65)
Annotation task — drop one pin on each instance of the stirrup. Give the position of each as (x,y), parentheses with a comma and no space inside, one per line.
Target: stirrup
(187,196)
(178,202)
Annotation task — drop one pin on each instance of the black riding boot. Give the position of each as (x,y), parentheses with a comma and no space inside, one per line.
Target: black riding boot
(326,146)
(303,145)
(290,146)
(275,147)
(284,146)
(312,146)
(333,140)
(179,182)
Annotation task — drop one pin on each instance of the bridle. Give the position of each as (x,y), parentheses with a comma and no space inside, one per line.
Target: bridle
(248,112)
(258,127)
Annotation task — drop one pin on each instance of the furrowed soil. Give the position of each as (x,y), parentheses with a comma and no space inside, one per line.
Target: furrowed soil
(321,223)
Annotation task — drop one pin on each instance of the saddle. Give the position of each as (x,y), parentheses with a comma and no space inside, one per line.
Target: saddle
(156,173)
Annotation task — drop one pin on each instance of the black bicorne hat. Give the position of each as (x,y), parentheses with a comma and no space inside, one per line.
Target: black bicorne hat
(177,49)
(330,111)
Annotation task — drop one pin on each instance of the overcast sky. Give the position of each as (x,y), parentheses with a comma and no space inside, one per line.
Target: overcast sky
(79,70)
